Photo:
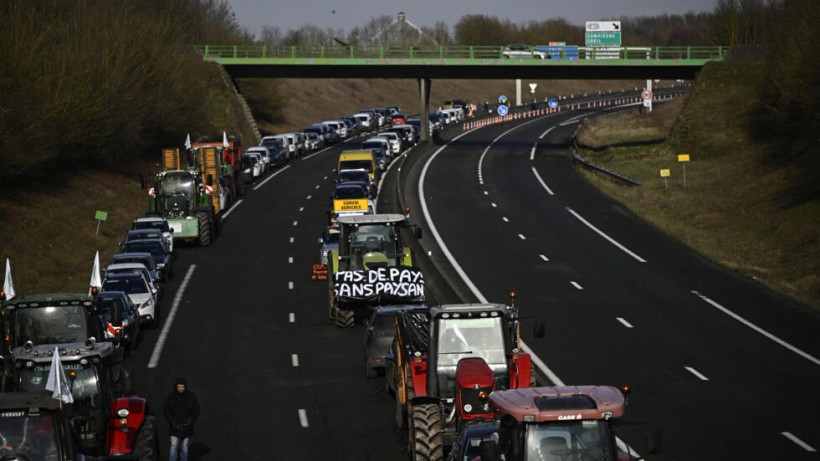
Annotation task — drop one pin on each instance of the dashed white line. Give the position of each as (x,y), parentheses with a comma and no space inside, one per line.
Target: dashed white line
(576,285)
(291,318)
(505,219)
(532,152)
(290,285)
(291,240)
(545,133)
(543,257)
(608,238)
(317,186)
(543,184)
(309,197)
(290,259)
(799,442)
(303,421)
(486,193)
(521,236)
(494,205)
(271,177)
(624,322)
(756,328)
(696,373)
(294,360)
(166,328)
(301,208)
(295,223)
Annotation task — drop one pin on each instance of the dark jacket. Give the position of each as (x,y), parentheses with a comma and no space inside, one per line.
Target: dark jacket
(181,410)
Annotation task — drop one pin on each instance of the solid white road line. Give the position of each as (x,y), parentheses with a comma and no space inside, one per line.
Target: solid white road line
(543,184)
(756,328)
(696,373)
(608,238)
(545,133)
(271,177)
(624,322)
(799,442)
(238,202)
(169,319)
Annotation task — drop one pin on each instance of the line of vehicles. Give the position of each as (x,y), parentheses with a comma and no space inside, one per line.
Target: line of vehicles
(463,388)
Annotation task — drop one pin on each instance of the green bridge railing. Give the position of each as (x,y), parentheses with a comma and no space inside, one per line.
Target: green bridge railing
(259,54)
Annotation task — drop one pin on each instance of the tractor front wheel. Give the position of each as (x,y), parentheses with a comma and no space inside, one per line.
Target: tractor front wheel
(426,433)
(146,443)
(204,224)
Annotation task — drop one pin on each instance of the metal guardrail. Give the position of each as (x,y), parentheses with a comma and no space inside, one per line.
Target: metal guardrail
(698,54)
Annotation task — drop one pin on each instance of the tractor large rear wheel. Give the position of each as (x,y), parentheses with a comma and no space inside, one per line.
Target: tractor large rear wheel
(146,444)
(204,224)
(426,433)
(345,318)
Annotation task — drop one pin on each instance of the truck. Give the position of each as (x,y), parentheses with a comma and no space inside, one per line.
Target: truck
(188,196)
(447,361)
(230,150)
(561,423)
(372,266)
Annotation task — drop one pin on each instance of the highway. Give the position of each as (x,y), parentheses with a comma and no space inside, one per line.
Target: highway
(723,367)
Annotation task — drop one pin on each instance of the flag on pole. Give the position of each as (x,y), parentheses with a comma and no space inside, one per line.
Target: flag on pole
(224,140)
(188,141)
(57,382)
(8,285)
(96,280)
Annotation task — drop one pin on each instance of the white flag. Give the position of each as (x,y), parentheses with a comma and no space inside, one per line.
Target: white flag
(57,382)
(224,140)
(8,285)
(96,280)
(188,141)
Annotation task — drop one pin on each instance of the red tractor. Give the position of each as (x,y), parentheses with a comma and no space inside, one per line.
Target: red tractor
(448,360)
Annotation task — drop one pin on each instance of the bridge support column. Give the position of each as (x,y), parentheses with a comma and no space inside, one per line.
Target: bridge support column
(424,99)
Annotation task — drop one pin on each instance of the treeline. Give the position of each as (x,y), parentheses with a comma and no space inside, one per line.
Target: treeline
(104,82)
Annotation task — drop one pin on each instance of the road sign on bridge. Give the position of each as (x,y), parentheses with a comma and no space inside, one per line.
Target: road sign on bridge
(603,33)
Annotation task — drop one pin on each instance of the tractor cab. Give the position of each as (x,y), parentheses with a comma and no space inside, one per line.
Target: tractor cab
(178,190)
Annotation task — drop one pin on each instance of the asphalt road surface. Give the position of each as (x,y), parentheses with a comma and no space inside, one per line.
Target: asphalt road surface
(726,369)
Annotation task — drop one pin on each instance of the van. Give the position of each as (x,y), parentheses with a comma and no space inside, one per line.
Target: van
(365,119)
(353,159)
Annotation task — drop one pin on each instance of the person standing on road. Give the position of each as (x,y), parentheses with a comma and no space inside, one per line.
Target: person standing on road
(181,410)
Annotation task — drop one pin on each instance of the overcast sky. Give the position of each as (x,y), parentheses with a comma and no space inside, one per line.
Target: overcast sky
(347,14)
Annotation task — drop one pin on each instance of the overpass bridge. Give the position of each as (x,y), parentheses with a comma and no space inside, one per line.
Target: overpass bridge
(424,63)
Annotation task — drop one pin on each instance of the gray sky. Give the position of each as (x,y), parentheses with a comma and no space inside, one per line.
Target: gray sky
(292,14)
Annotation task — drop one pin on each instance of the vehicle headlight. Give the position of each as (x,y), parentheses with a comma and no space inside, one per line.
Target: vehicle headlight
(160,265)
(148,303)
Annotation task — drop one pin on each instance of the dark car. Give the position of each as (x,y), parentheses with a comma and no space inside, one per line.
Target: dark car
(467,445)
(162,259)
(127,330)
(379,334)
(138,257)
(145,234)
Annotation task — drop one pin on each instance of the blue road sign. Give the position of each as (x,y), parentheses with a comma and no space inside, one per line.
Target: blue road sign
(502,99)
(553,103)
(502,110)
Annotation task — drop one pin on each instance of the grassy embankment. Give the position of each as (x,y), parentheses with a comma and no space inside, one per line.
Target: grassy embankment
(733,209)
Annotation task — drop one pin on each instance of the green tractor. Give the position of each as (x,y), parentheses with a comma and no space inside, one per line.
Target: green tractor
(189,198)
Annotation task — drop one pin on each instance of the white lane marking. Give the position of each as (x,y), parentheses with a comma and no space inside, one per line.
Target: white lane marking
(481,164)
(294,359)
(301,208)
(543,184)
(457,267)
(317,186)
(610,239)
(696,373)
(271,177)
(487,149)
(505,219)
(532,152)
(521,236)
(290,285)
(756,328)
(309,197)
(624,322)
(315,153)
(799,442)
(486,193)
(169,320)
(291,240)
(291,318)
(494,205)
(232,208)
(545,133)
(543,257)
(575,284)
(295,223)
(303,421)
(290,259)
(325,178)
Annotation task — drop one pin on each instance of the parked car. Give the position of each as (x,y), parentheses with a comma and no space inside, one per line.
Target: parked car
(162,259)
(145,234)
(394,140)
(467,445)
(138,290)
(380,330)
(263,151)
(252,165)
(274,142)
(380,154)
(339,126)
(125,331)
(143,258)
(138,268)
(358,175)
(522,51)
(314,141)
(397,118)
(406,132)
(329,241)
(322,130)
(365,120)
(156,222)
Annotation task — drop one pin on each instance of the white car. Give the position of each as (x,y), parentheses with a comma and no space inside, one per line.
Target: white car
(138,268)
(156,222)
(522,51)
(266,157)
(394,140)
(339,126)
(252,165)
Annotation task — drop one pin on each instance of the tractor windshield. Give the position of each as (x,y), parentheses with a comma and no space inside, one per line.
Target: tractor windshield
(569,440)
(371,238)
(32,436)
(49,325)
(469,337)
(178,184)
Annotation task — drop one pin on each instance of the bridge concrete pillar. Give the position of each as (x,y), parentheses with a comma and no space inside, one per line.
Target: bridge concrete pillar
(424,99)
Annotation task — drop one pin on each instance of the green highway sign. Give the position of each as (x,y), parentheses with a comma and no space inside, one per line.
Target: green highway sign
(606,33)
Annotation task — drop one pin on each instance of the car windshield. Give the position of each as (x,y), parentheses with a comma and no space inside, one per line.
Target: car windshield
(349,192)
(365,164)
(49,325)
(32,436)
(467,337)
(130,285)
(368,238)
(178,184)
(353,176)
(153,247)
(124,258)
(159,225)
(564,440)
(143,234)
